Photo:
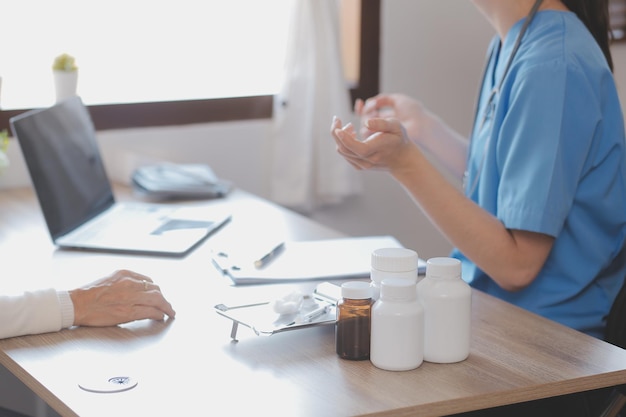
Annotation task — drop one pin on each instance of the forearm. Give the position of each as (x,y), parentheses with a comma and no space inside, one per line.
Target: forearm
(35,312)
(445,144)
(474,231)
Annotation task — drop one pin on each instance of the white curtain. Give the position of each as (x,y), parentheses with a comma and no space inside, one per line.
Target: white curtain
(306,170)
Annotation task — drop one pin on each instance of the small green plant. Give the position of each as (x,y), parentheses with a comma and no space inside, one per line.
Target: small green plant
(64,62)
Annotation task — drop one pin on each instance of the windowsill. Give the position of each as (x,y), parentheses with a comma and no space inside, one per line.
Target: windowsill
(122,116)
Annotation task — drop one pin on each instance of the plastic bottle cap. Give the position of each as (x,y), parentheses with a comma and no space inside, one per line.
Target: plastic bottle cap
(394,259)
(356,290)
(443,267)
(398,289)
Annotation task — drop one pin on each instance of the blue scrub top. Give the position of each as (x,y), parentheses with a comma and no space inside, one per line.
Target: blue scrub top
(550,158)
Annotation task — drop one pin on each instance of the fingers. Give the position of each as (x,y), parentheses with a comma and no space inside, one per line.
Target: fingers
(153,305)
(350,147)
(147,312)
(152,298)
(373,105)
(382,105)
(126,273)
(336,124)
(377,151)
(345,138)
(358,106)
(144,284)
(122,297)
(388,125)
(381,150)
(341,135)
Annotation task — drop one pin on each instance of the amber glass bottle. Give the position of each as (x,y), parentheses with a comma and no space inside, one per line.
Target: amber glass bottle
(354,316)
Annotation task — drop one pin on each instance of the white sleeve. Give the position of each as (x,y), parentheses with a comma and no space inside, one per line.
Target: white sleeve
(35,312)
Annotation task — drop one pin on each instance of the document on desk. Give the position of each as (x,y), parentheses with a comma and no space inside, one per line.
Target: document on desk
(329,259)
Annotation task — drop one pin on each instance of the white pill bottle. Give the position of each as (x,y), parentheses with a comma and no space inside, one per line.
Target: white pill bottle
(446,300)
(392,263)
(397,342)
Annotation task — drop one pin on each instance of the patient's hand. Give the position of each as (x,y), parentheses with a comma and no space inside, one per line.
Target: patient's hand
(121,297)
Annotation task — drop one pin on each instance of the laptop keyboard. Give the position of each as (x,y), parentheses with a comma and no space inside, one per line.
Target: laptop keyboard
(123,220)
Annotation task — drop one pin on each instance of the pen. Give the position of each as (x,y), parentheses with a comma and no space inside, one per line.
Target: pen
(315,314)
(260,263)
(309,317)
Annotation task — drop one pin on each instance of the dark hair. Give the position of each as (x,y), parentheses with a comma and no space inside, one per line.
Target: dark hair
(595,15)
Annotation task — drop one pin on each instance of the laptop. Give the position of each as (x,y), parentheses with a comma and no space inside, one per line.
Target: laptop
(60,148)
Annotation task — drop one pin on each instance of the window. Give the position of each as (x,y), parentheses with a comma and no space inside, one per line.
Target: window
(194,105)
(617,17)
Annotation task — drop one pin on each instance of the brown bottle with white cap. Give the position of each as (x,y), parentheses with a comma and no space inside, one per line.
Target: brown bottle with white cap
(353,326)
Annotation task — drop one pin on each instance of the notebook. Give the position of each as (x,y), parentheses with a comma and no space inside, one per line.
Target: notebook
(60,148)
(326,259)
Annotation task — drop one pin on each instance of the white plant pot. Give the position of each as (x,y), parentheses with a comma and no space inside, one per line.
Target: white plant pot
(65,83)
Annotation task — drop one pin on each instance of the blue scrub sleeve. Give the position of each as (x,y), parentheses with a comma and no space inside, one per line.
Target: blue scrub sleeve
(539,162)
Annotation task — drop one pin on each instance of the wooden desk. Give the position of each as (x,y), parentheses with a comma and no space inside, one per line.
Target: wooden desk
(189,366)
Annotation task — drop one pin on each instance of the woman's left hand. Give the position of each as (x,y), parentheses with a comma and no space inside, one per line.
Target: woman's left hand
(385,149)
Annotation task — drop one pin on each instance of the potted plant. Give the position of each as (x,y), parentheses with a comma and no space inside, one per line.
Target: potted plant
(65,76)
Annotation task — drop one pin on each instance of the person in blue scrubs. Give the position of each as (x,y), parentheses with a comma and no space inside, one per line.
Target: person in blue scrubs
(541,219)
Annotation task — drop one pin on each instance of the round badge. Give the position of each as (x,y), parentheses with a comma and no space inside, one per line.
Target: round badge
(106,385)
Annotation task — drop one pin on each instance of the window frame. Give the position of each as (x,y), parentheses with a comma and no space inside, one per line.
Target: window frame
(172,113)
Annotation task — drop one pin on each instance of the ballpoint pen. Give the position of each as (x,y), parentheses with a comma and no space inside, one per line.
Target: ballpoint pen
(309,317)
(260,263)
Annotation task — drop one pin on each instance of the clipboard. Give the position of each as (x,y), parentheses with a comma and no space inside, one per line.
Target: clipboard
(328,259)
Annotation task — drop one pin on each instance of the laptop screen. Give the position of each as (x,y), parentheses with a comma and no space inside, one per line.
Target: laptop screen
(60,148)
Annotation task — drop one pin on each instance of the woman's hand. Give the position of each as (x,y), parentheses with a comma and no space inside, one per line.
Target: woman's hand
(408,111)
(386,148)
(422,127)
(121,297)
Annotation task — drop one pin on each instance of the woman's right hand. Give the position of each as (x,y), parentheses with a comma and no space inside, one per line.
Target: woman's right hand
(408,111)
(121,297)
(421,127)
